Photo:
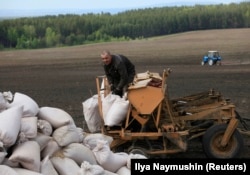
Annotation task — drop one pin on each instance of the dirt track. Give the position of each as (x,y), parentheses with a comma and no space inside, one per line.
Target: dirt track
(61,78)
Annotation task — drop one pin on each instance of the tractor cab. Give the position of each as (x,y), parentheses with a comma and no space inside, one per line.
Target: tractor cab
(212,58)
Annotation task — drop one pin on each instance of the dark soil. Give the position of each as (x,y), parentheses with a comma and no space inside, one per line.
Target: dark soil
(66,83)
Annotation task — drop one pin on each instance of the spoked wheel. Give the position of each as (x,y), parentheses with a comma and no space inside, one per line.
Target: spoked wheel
(212,139)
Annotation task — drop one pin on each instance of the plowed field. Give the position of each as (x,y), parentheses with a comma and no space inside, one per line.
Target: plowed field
(65,77)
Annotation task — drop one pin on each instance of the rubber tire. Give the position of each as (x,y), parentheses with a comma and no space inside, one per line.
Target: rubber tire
(218,63)
(210,62)
(211,140)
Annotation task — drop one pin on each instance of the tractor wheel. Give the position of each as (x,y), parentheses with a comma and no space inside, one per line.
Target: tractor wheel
(218,63)
(202,63)
(211,143)
(210,62)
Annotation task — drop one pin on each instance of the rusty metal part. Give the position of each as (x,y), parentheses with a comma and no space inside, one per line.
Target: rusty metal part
(153,116)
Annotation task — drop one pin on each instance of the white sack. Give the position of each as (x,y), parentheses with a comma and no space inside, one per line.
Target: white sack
(30,107)
(90,140)
(124,171)
(66,135)
(134,156)
(8,96)
(11,164)
(47,167)
(91,114)
(21,138)
(55,116)
(50,149)
(28,155)
(3,152)
(107,159)
(44,127)
(117,113)
(88,169)
(10,124)
(79,153)
(29,127)
(22,171)
(2,156)
(107,103)
(65,166)
(3,103)
(106,172)
(80,134)
(42,140)
(6,170)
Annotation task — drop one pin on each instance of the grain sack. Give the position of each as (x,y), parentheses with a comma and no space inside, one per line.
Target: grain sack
(55,116)
(88,169)
(65,166)
(28,155)
(2,156)
(80,134)
(29,127)
(21,138)
(66,135)
(50,148)
(6,170)
(47,167)
(134,156)
(90,140)
(107,103)
(30,107)
(107,159)
(22,171)
(79,153)
(10,124)
(106,172)
(42,140)
(3,102)
(44,127)
(117,113)
(124,171)
(11,164)
(3,152)
(91,114)
(8,96)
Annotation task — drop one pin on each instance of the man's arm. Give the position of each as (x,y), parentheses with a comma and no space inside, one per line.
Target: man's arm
(110,79)
(123,76)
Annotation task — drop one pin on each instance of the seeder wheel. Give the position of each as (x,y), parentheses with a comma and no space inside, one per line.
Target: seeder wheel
(212,139)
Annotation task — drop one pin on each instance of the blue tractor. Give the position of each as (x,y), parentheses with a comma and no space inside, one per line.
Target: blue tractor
(212,58)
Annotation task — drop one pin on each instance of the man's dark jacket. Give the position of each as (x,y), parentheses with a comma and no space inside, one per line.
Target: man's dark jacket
(120,72)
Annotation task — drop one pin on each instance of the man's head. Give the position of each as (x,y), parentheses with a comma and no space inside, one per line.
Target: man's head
(106,57)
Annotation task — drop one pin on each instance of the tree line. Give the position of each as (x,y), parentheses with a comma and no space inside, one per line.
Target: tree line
(68,30)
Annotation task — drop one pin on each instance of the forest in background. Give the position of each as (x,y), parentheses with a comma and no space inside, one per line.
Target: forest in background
(69,30)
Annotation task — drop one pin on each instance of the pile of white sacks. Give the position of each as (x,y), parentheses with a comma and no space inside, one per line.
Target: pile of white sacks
(45,140)
(114,111)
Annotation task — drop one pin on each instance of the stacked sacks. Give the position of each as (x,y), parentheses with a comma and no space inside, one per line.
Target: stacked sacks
(45,140)
(114,111)
(91,114)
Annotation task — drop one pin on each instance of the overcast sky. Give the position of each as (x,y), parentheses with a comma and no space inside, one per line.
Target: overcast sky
(100,4)
(26,8)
